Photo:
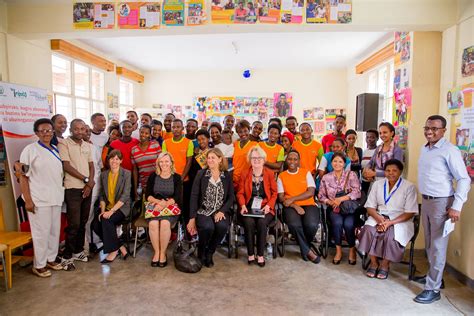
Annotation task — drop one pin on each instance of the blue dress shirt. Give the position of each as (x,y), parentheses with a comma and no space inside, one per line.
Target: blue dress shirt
(438,166)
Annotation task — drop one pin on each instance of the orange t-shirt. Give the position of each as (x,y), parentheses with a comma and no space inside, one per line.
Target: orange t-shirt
(295,184)
(180,150)
(275,153)
(310,154)
(239,160)
(166,134)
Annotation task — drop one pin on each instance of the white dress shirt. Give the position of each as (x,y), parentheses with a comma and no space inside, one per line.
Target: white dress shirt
(438,166)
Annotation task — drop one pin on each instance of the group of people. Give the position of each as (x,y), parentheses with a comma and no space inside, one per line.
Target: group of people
(199,174)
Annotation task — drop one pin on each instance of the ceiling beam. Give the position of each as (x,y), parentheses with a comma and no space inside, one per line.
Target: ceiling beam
(376,59)
(130,74)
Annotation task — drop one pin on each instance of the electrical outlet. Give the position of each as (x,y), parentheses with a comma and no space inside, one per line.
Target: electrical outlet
(457,252)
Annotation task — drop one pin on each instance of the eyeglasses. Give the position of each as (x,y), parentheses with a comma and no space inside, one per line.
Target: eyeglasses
(256,158)
(45,131)
(433,129)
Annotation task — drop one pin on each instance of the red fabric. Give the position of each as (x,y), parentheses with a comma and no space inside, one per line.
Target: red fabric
(126,150)
(244,190)
(289,135)
(328,139)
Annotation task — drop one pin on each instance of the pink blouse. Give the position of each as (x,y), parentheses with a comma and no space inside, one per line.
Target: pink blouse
(330,186)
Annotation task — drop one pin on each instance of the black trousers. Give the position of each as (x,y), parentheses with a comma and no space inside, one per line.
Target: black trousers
(106,229)
(303,227)
(257,225)
(210,233)
(77,214)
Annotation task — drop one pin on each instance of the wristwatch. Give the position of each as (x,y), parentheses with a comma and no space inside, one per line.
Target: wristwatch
(86,180)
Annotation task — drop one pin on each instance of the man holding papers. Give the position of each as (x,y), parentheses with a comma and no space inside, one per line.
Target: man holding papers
(440,163)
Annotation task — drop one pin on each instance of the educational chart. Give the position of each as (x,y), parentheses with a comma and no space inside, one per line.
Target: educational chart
(467,64)
(401,78)
(283,104)
(139,15)
(196,12)
(97,15)
(402,46)
(291,11)
(222,11)
(173,13)
(268,11)
(328,11)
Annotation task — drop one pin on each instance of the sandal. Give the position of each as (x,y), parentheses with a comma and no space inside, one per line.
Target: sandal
(371,272)
(382,274)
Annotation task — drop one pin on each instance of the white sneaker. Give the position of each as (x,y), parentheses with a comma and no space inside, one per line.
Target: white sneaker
(81,256)
(68,264)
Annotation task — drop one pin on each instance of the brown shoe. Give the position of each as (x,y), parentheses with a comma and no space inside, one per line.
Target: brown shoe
(42,272)
(56,266)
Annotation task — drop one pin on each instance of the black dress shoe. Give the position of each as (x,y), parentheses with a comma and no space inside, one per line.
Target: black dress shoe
(336,262)
(427,297)
(316,260)
(155,264)
(261,264)
(251,261)
(163,264)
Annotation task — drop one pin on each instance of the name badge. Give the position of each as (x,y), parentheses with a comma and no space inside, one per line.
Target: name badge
(257,203)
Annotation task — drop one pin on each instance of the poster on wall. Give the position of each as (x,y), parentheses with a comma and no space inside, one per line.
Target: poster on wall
(139,15)
(268,11)
(112,101)
(113,117)
(319,127)
(222,11)
(214,108)
(20,107)
(283,104)
(330,114)
(291,11)
(454,100)
(402,46)
(313,114)
(402,107)
(89,15)
(328,11)
(467,64)
(173,12)
(401,136)
(245,12)
(196,12)
(401,79)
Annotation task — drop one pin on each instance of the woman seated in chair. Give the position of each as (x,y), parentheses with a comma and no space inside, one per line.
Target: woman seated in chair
(212,198)
(163,191)
(391,205)
(337,188)
(296,191)
(115,185)
(257,190)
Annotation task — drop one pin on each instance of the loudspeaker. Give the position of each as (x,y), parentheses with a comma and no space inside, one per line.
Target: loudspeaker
(367,111)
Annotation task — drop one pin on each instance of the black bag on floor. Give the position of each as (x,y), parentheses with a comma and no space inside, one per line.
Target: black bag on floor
(184,258)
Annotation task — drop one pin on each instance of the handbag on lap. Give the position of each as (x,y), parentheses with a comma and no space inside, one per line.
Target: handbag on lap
(347,207)
(151,212)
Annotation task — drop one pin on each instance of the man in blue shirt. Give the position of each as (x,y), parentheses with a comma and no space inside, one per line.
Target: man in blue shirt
(440,163)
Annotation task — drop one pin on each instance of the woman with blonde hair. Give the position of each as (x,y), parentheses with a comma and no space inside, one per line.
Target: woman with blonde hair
(163,191)
(212,198)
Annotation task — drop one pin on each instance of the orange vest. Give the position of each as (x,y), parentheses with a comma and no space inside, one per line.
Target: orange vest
(309,154)
(295,184)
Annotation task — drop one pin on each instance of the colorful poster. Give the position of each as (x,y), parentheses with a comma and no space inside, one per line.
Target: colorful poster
(269,11)
(283,104)
(89,15)
(469,158)
(402,107)
(317,11)
(139,15)
(83,15)
(245,12)
(467,65)
(401,78)
(402,46)
(319,127)
(222,11)
(291,11)
(401,136)
(454,100)
(313,114)
(196,12)
(463,138)
(173,13)
(214,108)
(467,91)
(104,15)
(113,116)
(330,114)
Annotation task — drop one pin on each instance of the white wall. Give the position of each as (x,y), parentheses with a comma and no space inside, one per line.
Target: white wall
(326,88)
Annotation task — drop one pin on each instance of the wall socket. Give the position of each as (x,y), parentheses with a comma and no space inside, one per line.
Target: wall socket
(457,252)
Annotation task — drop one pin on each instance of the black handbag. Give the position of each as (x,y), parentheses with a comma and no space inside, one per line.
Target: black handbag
(184,256)
(350,206)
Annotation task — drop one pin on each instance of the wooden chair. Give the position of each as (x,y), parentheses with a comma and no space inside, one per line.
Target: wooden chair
(12,240)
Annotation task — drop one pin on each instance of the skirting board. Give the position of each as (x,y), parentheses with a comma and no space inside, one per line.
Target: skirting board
(464,279)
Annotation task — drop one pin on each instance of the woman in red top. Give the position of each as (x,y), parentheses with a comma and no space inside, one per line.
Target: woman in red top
(257,189)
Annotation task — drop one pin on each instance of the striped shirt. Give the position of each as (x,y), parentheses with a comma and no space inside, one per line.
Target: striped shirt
(145,161)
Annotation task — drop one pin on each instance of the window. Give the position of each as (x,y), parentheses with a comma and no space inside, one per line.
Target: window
(125,98)
(381,82)
(79,89)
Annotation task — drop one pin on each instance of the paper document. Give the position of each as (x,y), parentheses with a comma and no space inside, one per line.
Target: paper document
(448,227)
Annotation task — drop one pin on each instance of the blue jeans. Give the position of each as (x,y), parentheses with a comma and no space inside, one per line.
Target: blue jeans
(341,222)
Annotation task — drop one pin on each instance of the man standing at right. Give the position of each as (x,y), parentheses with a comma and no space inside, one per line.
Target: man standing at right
(339,125)
(440,163)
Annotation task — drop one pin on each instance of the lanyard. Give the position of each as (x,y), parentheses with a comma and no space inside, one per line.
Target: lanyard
(51,151)
(385,190)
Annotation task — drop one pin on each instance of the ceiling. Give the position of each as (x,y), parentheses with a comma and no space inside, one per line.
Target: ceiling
(297,50)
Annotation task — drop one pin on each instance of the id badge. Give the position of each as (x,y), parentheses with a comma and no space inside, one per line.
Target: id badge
(257,203)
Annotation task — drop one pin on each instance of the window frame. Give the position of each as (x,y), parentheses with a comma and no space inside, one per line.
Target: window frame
(124,107)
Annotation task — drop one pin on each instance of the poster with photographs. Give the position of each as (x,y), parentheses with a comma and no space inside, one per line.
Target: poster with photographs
(196,12)
(328,11)
(291,11)
(454,100)
(401,136)
(268,11)
(402,107)
(313,114)
(139,15)
(319,127)
(97,15)
(223,11)
(401,79)
(173,13)
(330,114)
(245,12)
(467,64)
(282,104)
(402,47)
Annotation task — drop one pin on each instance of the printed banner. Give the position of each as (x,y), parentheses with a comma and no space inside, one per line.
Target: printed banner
(269,11)
(89,15)
(467,65)
(173,13)
(291,11)
(402,107)
(222,11)
(196,12)
(20,107)
(139,15)
(283,104)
